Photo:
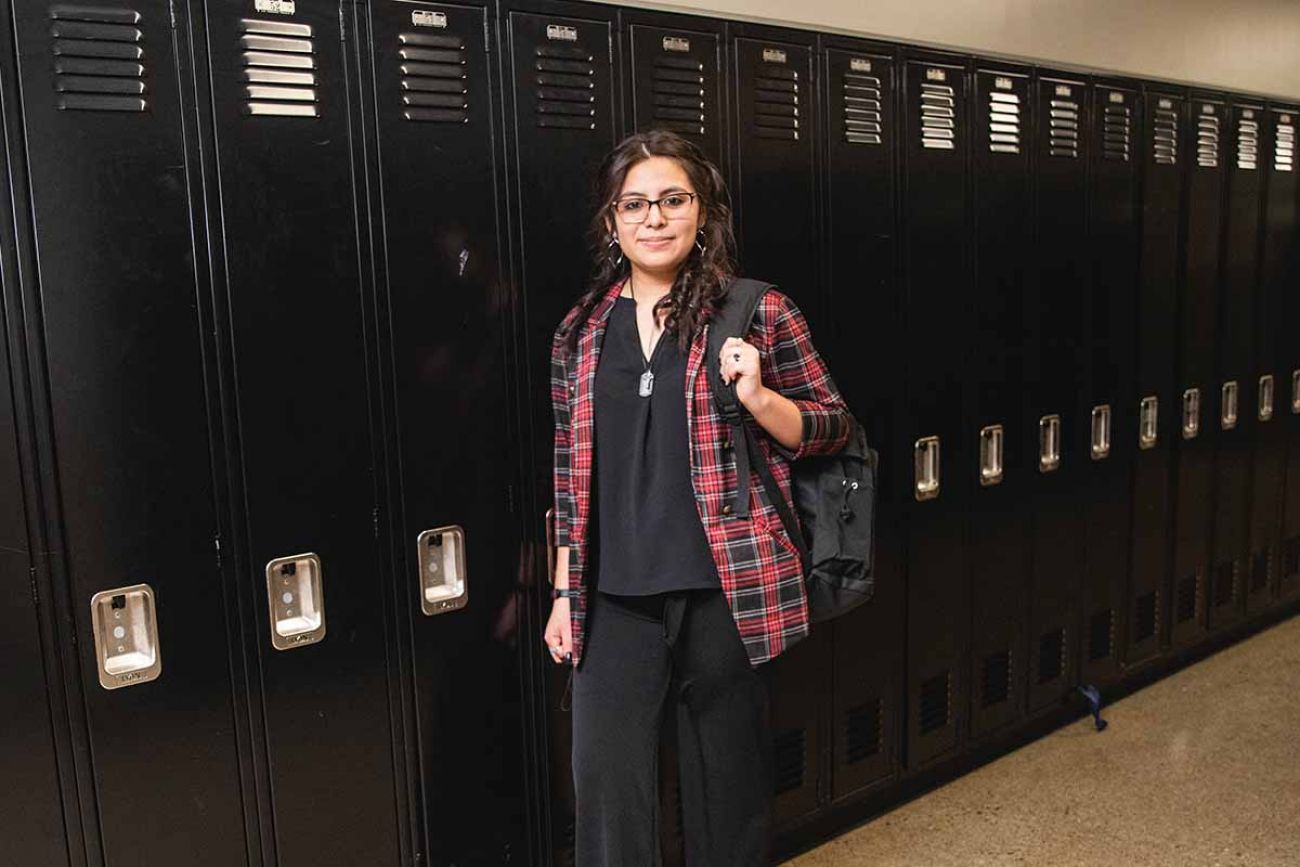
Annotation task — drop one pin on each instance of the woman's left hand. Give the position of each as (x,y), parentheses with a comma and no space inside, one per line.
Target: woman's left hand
(740,361)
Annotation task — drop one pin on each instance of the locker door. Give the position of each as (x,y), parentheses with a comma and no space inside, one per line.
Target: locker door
(1206,406)
(1277,269)
(29,800)
(299,429)
(999,561)
(1056,460)
(115,355)
(866,315)
(772,91)
(1164,153)
(554,161)
(675,77)
(445,319)
(1285,304)
(774,183)
(936,265)
(1110,409)
(1231,503)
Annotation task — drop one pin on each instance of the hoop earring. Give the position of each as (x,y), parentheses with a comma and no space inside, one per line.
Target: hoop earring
(699,242)
(613,243)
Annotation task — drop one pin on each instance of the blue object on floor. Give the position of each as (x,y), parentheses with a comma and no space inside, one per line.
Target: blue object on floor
(1093,695)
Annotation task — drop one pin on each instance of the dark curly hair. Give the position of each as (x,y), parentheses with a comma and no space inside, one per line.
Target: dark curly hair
(703,277)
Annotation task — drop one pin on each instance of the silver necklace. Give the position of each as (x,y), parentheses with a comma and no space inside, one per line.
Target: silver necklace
(646,385)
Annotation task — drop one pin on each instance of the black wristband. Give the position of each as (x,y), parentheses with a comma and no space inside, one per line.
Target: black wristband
(565,592)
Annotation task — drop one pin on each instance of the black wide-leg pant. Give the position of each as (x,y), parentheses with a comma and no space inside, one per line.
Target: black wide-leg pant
(683,648)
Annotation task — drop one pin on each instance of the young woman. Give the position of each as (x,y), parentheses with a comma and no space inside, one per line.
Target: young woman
(661,595)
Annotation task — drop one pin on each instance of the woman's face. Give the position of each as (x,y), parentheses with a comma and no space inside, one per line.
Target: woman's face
(663,238)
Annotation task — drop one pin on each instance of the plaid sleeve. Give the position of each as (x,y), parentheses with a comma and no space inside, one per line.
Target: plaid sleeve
(563,442)
(793,368)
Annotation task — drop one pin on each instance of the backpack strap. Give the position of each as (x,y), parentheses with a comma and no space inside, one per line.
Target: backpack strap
(733,318)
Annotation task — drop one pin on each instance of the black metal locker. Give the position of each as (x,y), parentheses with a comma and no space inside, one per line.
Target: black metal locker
(30,798)
(314,599)
(1111,406)
(1231,553)
(936,262)
(1287,310)
(676,78)
(1205,406)
(774,175)
(1002,230)
(552,162)
(1056,313)
(114,361)
(774,189)
(865,303)
(1278,259)
(444,312)
(1164,152)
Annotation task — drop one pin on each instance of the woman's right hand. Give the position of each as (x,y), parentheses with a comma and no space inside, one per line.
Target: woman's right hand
(558,634)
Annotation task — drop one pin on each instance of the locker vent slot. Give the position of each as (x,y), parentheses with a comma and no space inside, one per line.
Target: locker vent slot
(435,88)
(938,117)
(98,59)
(1101,634)
(1292,558)
(996,678)
(790,753)
(1261,569)
(862,107)
(1207,141)
(1144,625)
(1051,655)
(1225,583)
(1004,123)
(1185,598)
(679,95)
(1247,144)
(1063,128)
(1164,141)
(566,87)
(863,729)
(1284,146)
(1116,132)
(935,701)
(776,102)
(279,68)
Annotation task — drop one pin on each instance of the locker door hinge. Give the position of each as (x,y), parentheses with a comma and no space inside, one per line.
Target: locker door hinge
(36,590)
(487,36)
(611,47)
(171,10)
(510,499)
(343,22)
(216,548)
(374,517)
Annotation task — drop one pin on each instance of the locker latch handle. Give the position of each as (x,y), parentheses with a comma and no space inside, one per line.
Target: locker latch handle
(125,625)
(927,468)
(1228,399)
(1295,392)
(1191,413)
(1049,443)
(1148,422)
(444,585)
(1265,412)
(1101,432)
(295,595)
(991,443)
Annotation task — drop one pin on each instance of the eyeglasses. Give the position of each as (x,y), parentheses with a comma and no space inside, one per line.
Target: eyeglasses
(673,206)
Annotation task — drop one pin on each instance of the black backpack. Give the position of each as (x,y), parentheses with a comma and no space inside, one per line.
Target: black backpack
(835,495)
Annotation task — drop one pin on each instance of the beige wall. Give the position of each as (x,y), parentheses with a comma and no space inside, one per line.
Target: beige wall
(1246,45)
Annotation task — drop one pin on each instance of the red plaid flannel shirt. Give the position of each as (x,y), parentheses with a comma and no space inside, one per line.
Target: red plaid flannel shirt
(757,563)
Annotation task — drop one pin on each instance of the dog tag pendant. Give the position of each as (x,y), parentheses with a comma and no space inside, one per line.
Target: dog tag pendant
(647,383)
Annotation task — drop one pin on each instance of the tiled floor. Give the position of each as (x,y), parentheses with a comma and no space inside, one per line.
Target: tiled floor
(1200,768)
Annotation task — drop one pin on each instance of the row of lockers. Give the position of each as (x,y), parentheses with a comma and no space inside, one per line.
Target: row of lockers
(277,305)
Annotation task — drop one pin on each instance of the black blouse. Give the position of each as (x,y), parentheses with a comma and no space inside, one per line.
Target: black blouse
(649,536)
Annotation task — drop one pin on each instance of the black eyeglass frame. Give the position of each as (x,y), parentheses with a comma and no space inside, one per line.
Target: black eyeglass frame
(649,203)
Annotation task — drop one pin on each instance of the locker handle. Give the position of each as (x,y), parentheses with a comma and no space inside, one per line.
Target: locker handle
(991,443)
(1049,443)
(125,625)
(1101,432)
(1148,422)
(295,601)
(1295,392)
(1191,413)
(444,584)
(927,468)
(1228,399)
(1265,412)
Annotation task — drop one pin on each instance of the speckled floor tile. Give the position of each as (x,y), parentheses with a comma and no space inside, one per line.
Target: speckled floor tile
(1200,768)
